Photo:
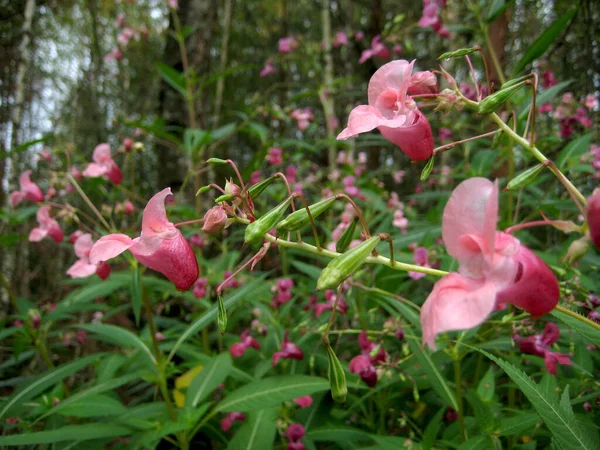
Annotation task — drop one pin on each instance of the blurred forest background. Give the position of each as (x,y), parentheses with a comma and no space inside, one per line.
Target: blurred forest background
(69,80)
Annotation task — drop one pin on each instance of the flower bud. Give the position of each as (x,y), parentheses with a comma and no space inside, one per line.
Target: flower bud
(215,220)
(525,178)
(576,250)
(217,161)
(593,217)
(299,218)
(128,144)
(346,264)
(337,377)
(257,229)
(497,99)
(221,315)
(232,189)
(346,238)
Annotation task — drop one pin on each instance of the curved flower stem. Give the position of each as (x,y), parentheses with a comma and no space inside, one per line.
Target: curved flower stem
(579,317)
(358,213)
(443,148)
(386,293)
(459,398)
(312,222)
(88,201)
(332,316)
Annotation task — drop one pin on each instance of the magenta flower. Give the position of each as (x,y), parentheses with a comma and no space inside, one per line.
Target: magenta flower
(74,236)
(304,401)
(200,287)
(295,432)
(539,345)
(593,217)
(431,17)
(421,257)
(228,420)
(378,49)
(289,350)
(274,156)
(341,38)
(287,44)
(393,112)
(82,267)
(238,349)
(48,227)
(268,69)
(103,165)
(364,364)
(114,54)
(494,267)
(161,246)
(28,190)
(330,298)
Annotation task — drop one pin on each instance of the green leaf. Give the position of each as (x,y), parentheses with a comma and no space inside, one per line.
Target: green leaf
(222,132)
(338,433)
(432,430)
(574,150)
(209,316)
(259,130)
(95,406)
(136,294)
(428,168)
(391,442)
(564,427)
(481,411)
(271,392)
(174,78)
(119,336)
(257,433)
(68,433)
(46,380)
(93,391)
(587,331)
(525,178)
(487,386)
(24,146)
(194,139)
(476,443)
(514,426)
(496,8)
(544,97)
(543,43)
(213,374)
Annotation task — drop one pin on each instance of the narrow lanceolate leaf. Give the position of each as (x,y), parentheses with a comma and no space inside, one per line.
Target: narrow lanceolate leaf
(271,392)
(119,336)
(69,433)
(428,168)
(136,294)
(587,331)
(46,380)
(543,43)
(525,178)
(574,150)
(213,374)
(565,429)
(257,433)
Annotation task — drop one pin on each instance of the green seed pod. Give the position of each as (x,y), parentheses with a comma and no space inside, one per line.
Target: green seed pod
(299,218)
(224,198)
(218,161)
(221,315)
(203,189)
(344,241)
(346,264)
(492,102)
(458,53)
(337,377)
(256,189)
(525,178)
(428,168)
(511,83)
(257,229)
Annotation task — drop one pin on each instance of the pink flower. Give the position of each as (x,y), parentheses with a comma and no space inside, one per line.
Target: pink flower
(494,267)
(330,298)
(290,173)
(45,155)
(172,4)
(397,50)
(364,364)
(303,402)
(545,108)
(228,420)
(196,240)
(74,235)
(48,227)
(591,101)
(28,190)
(548,79)
(82,267)
(114,54)
(274,156)
(255,177)
(125,36)
(268,69)
(103,165)
(444,134)
(200,287)
(289,350)
(540,345)
(287,44)
(359,35)
(161,246)
(238,349)
(127,144)
(422,83)
(341,38)
(421,257)
(393,112)
(377,50)
(295,432)
(76,173)
(593,217)
(303,116)
(120,20)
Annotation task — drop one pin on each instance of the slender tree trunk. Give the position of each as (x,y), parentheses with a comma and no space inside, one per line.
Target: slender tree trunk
(326,94)
(224,58)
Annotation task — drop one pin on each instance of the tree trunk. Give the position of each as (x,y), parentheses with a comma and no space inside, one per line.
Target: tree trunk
(325,94)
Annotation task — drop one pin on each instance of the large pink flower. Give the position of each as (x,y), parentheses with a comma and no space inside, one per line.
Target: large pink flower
(103,165)
(393,112)
(160,247)
(82,267)
(593,217)
(29,190)
(48,227)
(494,267)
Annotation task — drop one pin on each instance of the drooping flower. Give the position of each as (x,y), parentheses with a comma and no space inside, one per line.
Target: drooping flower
(289,350)
(48,227)
(377,49)
(228,420)
(421,257)
(593,217)
(393,112)
(341,38)
(304,401)
(364,364)
(82,267)
(268,69)
(303,116)
(287,44)
(103,165)
(431,17)
(215,220)
(161,246)
(238,349)
(494,268)
(295,433)
(282,291)
(330,298)
(539,345)
(274,156)
(28,190)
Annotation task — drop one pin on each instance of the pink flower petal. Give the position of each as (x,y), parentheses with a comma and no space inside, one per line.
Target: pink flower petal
(393,75)
(359,363)
(154,220)
(102,154)
(81,269)
(83,245)
(415,140)
(94,170)
(366,118)
(37,234)
(110,246)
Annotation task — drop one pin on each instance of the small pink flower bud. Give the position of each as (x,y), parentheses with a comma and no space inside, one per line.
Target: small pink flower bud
(128,144)
(295,432)
(159,336)
(587,406)
(594,316)
(593,217)
(215,220)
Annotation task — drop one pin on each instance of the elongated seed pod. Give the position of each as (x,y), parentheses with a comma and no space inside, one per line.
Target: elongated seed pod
(257,229)
(256,189)
(337,377)
(299,218)
(346,238)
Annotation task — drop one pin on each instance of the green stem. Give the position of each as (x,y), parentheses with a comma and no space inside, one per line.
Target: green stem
(86,199)
(459,397)
(579,317)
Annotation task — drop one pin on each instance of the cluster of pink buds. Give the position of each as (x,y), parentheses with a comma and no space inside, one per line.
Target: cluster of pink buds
(330,298)
(282,292)
(269,69)
(341,38)
(274,156)
(289,350)
(287,44)
(295,433)
(569,114)
(200,287)
(540,344)
(238,349)
(303,117)
(378,49)
(371,355)
(431,17)
(399,220)
(421,257)
(227,421)
(28,190)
